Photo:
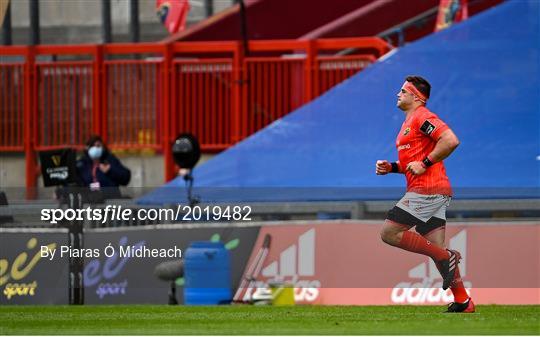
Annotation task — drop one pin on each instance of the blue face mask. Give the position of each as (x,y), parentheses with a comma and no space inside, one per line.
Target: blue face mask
(95,152)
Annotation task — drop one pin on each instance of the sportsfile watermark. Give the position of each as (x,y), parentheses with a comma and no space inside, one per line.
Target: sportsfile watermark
(120,213)
(138,251)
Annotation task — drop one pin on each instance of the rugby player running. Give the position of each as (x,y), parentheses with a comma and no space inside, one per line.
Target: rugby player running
(422,143)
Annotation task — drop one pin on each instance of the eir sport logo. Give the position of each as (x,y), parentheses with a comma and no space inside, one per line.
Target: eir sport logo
(425,284)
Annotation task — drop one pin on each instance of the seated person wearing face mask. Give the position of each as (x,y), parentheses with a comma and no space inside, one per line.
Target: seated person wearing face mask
(100,170)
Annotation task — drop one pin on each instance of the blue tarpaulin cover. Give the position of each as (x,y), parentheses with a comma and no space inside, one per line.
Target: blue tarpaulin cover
(485,77)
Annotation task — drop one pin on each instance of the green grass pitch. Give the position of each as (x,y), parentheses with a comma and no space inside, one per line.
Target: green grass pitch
(259,320)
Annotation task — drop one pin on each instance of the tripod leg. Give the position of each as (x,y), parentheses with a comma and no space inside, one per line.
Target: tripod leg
(172,294)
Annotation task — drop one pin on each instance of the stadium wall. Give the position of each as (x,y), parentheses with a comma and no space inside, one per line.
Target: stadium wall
(146,172)
(328,262)
(28,278)
(346,263)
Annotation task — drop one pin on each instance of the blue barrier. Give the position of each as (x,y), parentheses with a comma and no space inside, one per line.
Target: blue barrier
(485,75)
(207,273)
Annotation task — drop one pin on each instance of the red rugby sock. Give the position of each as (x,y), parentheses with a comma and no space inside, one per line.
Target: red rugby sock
(418,244)
(460,294)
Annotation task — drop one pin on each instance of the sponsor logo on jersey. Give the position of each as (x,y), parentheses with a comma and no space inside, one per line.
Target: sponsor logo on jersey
(404,147)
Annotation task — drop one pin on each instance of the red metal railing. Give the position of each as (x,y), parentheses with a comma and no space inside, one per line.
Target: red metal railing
(140,96)
(64,104)
(334,70)
(275,87)
(12,106)
(133,105)
(133,95)
(202,100)
(63,100)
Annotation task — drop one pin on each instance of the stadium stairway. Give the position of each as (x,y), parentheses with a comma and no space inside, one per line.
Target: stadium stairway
(352,18)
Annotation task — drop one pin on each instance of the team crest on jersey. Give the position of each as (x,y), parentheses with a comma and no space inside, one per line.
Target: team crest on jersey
(406,132)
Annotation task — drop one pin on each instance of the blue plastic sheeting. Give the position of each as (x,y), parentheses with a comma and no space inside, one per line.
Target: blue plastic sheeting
(485,76)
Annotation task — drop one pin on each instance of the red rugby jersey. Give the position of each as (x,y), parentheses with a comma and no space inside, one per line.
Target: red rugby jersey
(416,139)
